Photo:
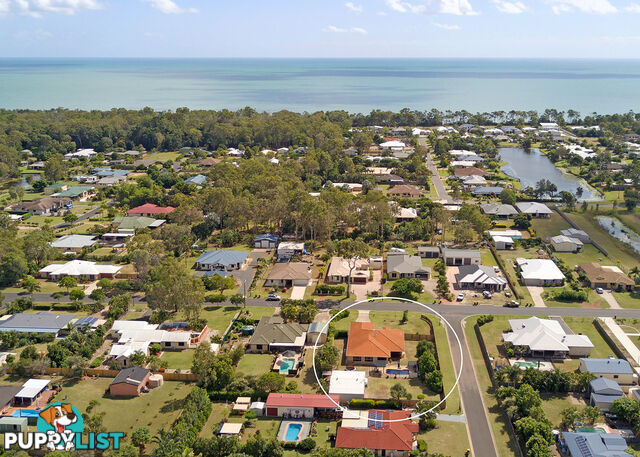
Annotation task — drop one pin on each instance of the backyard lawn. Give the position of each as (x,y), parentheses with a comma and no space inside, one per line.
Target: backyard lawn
(178,360)
(219,317)
(549,227)
(588,253)
(553,404)
(155,410)
(255,364)
(392,319)
(448,438)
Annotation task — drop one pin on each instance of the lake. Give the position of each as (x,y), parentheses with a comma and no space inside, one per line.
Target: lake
(531,167)
(620,231)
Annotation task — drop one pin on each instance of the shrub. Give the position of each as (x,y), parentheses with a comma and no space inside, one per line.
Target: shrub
(485,319)
(569,295)
(216,298)
(307,445)
(359,403)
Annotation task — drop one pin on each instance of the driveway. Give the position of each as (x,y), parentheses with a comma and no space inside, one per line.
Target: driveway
(245,276)
(360,291)
(609,298)
(624,339)
(297,293)
(536,295)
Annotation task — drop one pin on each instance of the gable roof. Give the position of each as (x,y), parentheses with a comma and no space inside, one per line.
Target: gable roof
(605,386)
(301,400)
(42,204)
(464,253)
(595,444)
(498,209)
(402,189)
(150,208)
(222,257)
(543,335)
(396,435)
(479,274)
(273,330)
(533,208)
(133,376)
(487,190)
(137,222)
(542,269)
(73,241)
(366,341)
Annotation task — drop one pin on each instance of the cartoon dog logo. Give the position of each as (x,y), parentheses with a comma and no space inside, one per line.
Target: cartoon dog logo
(60,419)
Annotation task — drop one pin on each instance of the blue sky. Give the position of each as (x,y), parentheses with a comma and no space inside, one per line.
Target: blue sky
(320,28)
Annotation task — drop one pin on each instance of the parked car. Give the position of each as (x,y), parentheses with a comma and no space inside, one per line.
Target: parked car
(600,290)
(273,297)
(512,304)
(507,294)
(460,296)
(487,294)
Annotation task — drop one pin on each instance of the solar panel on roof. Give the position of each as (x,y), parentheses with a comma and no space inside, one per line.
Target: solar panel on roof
(87,320)
(582,446)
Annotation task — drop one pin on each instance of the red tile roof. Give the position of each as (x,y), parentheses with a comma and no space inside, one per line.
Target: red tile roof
(365,341)
(470,171)
(150,208)
(301,400)
(396,436)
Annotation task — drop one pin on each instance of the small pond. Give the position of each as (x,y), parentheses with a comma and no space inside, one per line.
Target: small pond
(620,231)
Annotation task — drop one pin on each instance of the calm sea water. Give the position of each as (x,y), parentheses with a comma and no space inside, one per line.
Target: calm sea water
(356,85)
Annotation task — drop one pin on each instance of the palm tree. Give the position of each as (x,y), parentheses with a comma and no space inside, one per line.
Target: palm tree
(635,271)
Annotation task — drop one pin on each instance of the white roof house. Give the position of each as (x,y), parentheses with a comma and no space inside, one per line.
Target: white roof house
(81,153)
(80,268)
(32,388)
(517,234)
(348,384)
(563,243)
(502,242)
(540,272)
(127,350)
(393,145)
(545,337)
(230,428)
(463,164)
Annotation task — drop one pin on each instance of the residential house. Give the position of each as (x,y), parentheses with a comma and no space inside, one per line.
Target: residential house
(393,145)
(31,392)
(403,214)
(80,269)
(130,382)
(73,243)
(197,180)
(222,260)
(386,433)
(405,191)
(209,162)
(266,241)
(40,322)
(429,252)
(55,188)
(135,223)
(81,154)
(499,210)
(150,210)
(502,242)
(603,392)
(274,334)
(618,370)
(348,385)
(110,181)
(515,234)
(76,193)
(300,406)
(462,164)
(367,345)
(540,272)
(402,265)
(479,191)
(288,249)
(563,243)
(13,424)
(339,271)
(472,181)
(456,257)
(7,393)
(480,277)
(534,209)
(288,274)
(576,233)
(115,239)
(579,444)
(46,206)
(606,277)
(548,126)
(546,338)
(388,179)
(351,187)
(470,171)
(122,353)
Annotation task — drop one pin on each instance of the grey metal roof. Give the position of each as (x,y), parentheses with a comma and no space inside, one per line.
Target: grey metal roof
(42,322)
(605,386)
(404,263)
(595,444)
(470,253)
(222,257)
(197,179)
(74,241)
(7,393)
(608,366)
(274,330)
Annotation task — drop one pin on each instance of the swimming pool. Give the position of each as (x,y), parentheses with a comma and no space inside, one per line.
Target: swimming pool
(287,365)
(526,364)
(395,371)
(293,432)
(591,430)
(25,413)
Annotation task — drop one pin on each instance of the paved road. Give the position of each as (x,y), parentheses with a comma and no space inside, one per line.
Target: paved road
(435,176)
(480,432)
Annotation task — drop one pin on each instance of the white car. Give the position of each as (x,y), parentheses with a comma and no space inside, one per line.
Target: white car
(460,296)
(273,297)
(600,290)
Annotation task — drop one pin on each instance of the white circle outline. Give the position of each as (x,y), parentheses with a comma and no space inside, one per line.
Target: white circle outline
(413,416)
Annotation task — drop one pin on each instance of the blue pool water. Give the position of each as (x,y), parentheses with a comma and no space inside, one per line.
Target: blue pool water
(25,413)
(293,432)
(395,371)
(287,365)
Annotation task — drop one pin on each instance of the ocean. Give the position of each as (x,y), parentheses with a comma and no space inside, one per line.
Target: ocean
(354,85)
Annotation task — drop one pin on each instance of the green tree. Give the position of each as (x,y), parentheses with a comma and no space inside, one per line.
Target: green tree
(522,221)
(67,282)
(508,197)
(406,288)
(70,217)
(270,382)
(172,287)
(399,391)
(30,284)
(327,357)
(352,251)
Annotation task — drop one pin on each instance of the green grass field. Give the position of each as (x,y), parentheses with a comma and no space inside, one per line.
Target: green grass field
(448,438)
(218,317)
(255,364)
(628,299)
(178,360)
(549,227)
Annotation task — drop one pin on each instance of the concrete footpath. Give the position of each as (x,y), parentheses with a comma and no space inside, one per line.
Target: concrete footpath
(623,338)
